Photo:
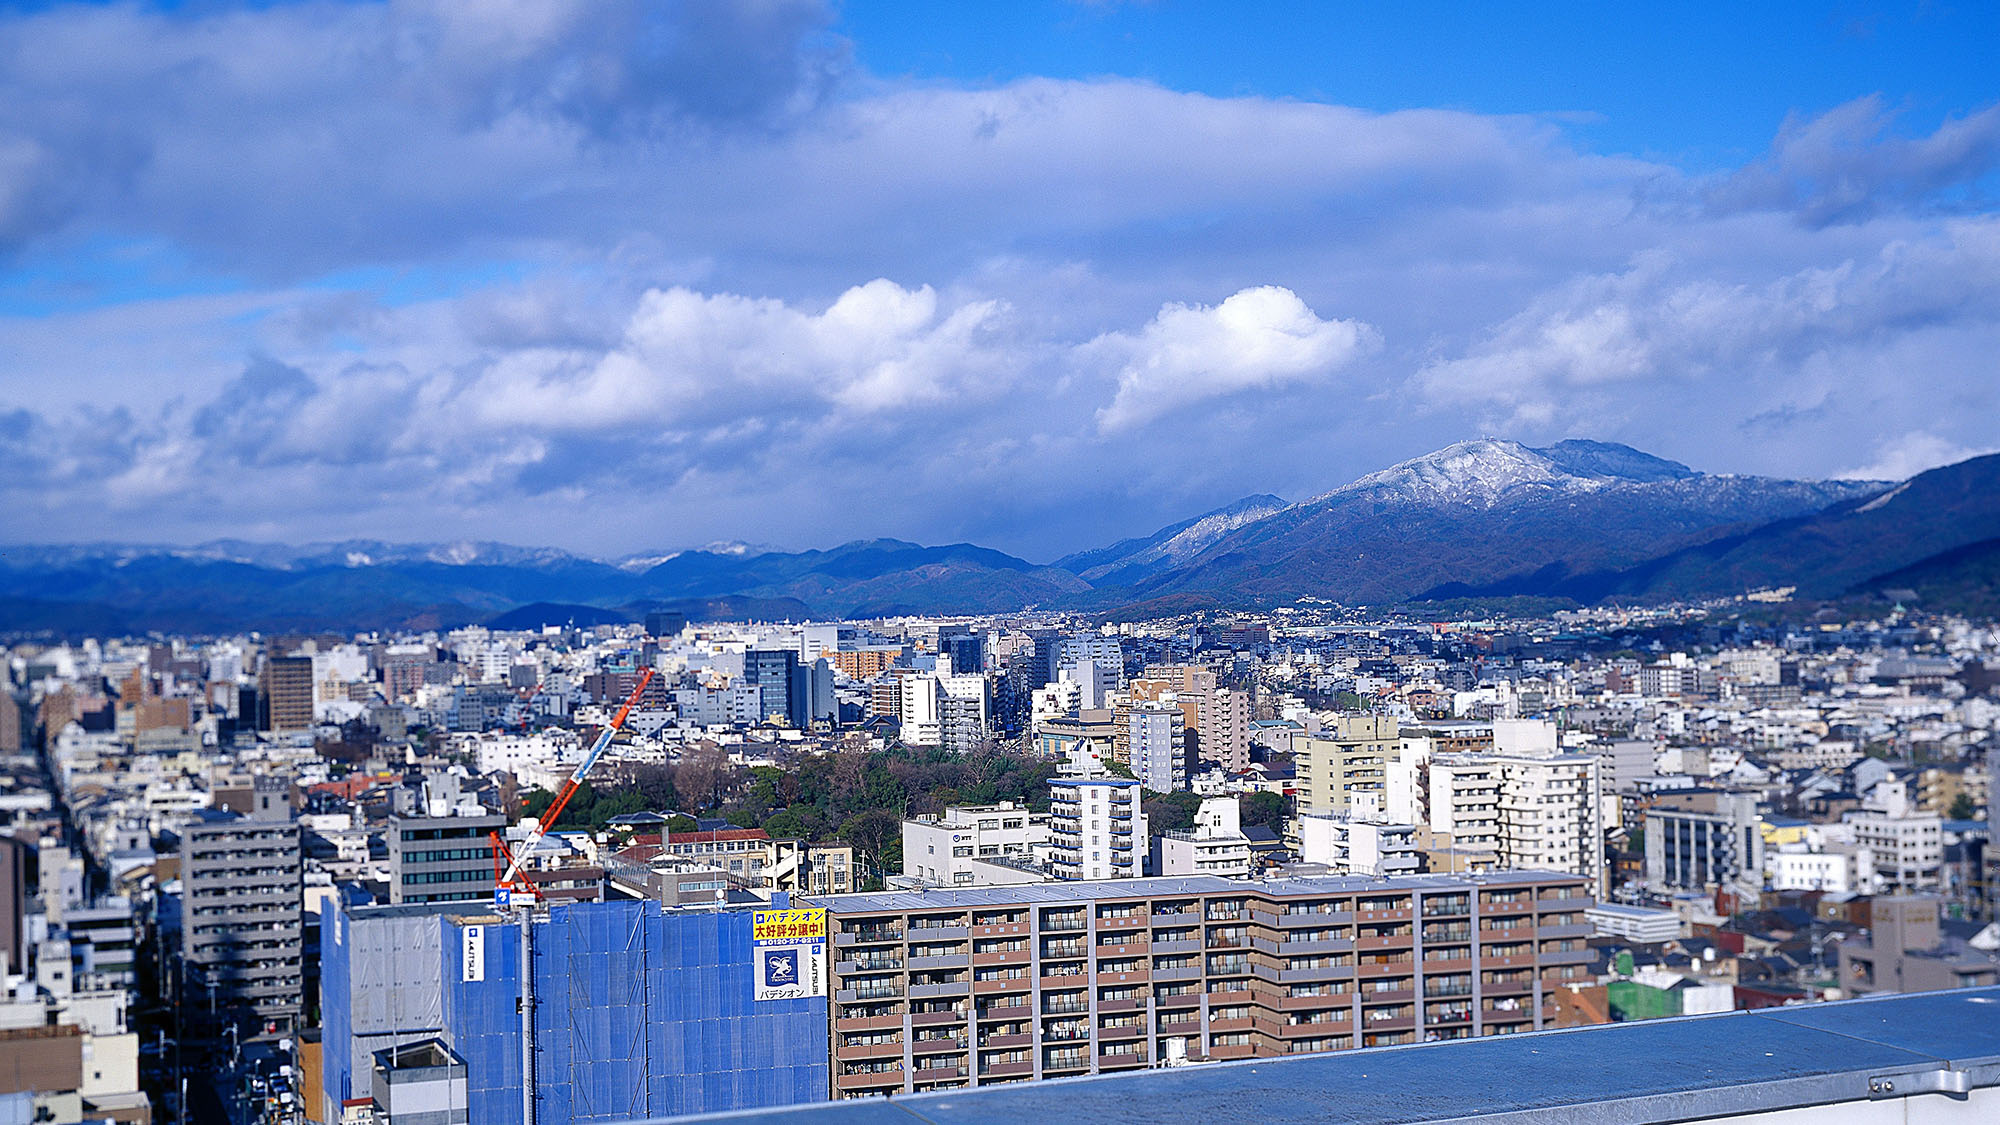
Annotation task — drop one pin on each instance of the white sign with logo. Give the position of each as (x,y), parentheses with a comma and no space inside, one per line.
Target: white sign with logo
(472,954)
(788,954)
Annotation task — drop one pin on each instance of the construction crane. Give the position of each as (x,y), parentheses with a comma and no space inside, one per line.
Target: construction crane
(513,880)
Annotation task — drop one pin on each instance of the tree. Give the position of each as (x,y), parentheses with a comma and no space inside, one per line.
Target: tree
(872,832)
(1962,807)
(1170,812)
(681,822)
(1267,810)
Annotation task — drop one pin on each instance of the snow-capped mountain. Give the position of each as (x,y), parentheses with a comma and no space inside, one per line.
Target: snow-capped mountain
(1477,512)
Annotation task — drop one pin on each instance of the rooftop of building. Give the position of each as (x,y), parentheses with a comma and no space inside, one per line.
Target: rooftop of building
(1636,913)
(1167,886)
(1735,1063)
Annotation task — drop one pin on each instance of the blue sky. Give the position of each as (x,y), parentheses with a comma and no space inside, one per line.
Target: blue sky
(617,276)
(1699,84)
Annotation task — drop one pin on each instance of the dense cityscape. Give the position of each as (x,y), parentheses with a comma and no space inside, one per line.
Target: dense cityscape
(244,871)
(859,562)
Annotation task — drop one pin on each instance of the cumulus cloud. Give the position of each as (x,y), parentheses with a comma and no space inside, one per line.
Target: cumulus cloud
(1256,339)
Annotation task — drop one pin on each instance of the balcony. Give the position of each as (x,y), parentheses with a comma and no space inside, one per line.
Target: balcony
(868,965)
(1063,923)
(1316,920)
(871,992)
(1001,957)
(870,1081)
(868,935)
(856,1051)
(939,961)
(1121,1061)
(995,1042)
(1323,1001)
(1018,1069)
(1321,945)
(1022,1009)
(938,1073)
(933,1019)
(949,932)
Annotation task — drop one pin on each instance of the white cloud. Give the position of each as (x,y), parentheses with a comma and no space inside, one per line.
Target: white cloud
(640,246)
(691,359)
(1903,457)
(1257,339)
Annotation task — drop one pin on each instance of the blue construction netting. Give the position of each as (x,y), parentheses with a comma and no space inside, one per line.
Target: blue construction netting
(643,1012)
(336,1025)
(483,1020)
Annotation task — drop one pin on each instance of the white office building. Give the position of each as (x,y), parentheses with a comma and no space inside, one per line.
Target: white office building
(973,845)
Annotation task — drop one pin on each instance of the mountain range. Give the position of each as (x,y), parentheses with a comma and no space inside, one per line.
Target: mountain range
(1581,520)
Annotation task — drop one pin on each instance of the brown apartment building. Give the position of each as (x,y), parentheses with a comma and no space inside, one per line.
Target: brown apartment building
(973,986)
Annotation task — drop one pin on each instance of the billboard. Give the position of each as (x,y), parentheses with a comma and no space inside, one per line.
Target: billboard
(788,952)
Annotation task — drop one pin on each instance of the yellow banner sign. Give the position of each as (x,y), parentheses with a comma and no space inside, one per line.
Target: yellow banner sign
(788,925)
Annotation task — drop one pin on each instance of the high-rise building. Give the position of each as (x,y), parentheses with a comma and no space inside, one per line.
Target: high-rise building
(242,911)
(1344,769)
(446,854)
(973,987)
(963,714)
(287,693)
(665,623)
(1538,814)
(1097,828)
(774,672)
(1157,735)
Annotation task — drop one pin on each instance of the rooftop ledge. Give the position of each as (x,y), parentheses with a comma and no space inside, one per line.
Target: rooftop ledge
(1930,1053)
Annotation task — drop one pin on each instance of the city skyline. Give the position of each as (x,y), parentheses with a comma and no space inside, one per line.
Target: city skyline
(548,277)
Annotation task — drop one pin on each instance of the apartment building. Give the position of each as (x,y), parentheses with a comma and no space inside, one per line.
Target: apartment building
(1359,847)
(1532,813)
(1704,838)
(971,987)
(1344,768)
(1096,828)
(1157,734)
(1217,719)
(243,911)
(1216,846)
